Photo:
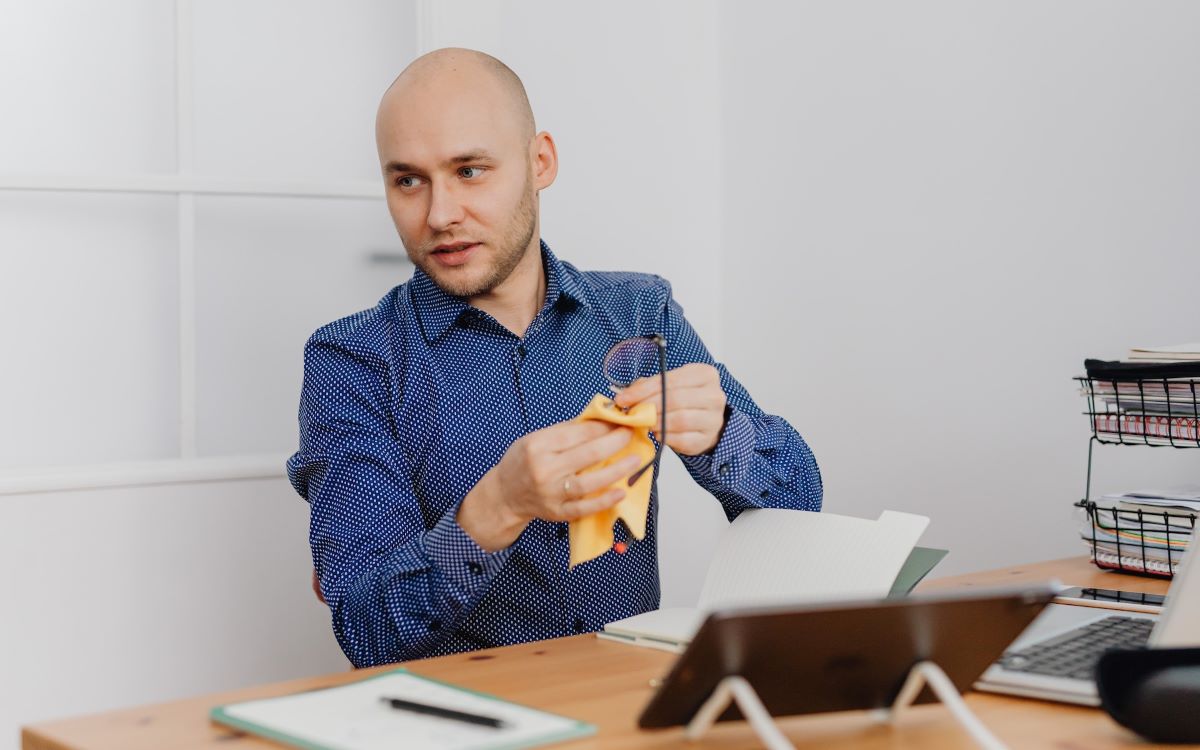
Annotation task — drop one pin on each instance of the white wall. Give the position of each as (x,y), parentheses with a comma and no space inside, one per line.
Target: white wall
(933,212)
(123,597)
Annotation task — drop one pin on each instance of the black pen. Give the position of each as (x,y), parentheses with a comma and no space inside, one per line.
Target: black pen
(445,713)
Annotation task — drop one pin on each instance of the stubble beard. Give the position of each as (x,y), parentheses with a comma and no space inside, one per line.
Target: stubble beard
(509,250)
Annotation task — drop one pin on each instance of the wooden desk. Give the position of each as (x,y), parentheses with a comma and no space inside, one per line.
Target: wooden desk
(608,683)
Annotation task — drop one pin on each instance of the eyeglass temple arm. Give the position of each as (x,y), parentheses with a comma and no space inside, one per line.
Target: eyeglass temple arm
(661,343)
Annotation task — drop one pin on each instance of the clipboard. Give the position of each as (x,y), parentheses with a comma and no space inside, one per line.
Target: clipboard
(352,717)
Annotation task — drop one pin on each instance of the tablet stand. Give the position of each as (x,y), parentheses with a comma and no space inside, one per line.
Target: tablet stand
(737,689)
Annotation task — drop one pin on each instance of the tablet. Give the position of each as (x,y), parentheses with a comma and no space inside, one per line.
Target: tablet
(845,655)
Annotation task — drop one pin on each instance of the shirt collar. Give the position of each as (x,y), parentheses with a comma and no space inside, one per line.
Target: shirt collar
(438,310)
(562,280)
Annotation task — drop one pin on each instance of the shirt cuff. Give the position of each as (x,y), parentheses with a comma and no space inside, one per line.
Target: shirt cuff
(728,462)
(459,557)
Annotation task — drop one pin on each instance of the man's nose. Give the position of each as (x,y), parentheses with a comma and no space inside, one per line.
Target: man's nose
(445,208)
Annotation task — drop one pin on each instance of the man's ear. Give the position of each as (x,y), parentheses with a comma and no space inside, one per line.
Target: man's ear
(544,155)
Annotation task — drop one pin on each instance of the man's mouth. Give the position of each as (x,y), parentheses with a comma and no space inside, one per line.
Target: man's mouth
(454,254)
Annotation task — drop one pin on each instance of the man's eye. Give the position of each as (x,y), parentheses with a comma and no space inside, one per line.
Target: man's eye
(407,181)
(470,172)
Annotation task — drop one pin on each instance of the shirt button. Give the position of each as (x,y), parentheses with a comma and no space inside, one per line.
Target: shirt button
(764,494)
(561,531)
(521,351)
(723,469)
(474,567)
(579,625)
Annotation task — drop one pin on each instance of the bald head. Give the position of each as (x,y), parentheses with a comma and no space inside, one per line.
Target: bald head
(463,167)
(455,69)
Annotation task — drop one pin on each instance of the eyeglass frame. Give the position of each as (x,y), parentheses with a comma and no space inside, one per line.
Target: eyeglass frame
(660,343)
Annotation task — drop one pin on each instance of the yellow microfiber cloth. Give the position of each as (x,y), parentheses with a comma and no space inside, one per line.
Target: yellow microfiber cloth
(592,536)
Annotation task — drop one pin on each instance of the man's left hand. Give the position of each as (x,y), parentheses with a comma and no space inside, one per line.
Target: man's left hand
(695,406)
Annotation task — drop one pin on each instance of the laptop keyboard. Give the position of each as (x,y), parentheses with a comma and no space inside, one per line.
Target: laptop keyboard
(1075,653)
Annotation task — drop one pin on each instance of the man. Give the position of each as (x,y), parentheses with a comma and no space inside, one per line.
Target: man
(436,447)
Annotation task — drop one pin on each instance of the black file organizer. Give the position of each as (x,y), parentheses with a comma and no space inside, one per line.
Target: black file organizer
(1111,403)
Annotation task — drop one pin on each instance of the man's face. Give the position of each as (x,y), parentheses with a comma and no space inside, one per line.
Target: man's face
(459,183)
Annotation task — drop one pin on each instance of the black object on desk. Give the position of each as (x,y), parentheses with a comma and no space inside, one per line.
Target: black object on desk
(444,713)
(1155,692)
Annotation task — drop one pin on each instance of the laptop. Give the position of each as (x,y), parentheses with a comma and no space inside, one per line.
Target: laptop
(1055,658)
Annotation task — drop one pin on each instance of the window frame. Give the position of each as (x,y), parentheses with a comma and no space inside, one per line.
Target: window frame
(185,185)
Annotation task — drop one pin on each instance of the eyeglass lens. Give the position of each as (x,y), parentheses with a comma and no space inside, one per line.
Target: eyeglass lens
(639,358)
(629,360)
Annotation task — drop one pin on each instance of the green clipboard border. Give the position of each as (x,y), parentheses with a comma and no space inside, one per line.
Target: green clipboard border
(220,715)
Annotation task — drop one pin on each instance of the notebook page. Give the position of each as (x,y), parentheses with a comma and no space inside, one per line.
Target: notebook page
(777,556)
(670,624)
(352,717)
(1176,349)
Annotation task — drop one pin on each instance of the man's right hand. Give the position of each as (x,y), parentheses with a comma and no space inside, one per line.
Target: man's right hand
(542,476)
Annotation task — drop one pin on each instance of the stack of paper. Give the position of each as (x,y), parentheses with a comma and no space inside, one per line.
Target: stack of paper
(771,556)
(1144,529)
(1174,353)
(1153,397)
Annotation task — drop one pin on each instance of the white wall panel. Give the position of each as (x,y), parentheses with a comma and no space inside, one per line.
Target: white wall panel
(630,92)
(288,90)
(88,87)
(270,271)
(116,598)
(88,299)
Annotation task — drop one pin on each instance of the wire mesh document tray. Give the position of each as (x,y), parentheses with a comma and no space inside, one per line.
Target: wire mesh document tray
(1156,411)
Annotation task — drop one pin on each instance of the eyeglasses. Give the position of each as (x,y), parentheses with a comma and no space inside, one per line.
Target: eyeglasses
(636,358)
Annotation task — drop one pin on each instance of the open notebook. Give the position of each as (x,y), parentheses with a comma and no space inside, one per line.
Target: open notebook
(773,556)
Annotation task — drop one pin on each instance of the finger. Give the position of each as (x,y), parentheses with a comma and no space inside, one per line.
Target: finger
(580,508)
(588,482)
(586,454)
(693,375)
(567,435)
(638,391)
(702,400)
(696,397)
(701,412)
(681,421)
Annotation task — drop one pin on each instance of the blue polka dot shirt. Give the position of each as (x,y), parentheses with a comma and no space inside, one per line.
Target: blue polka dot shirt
(407,405)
